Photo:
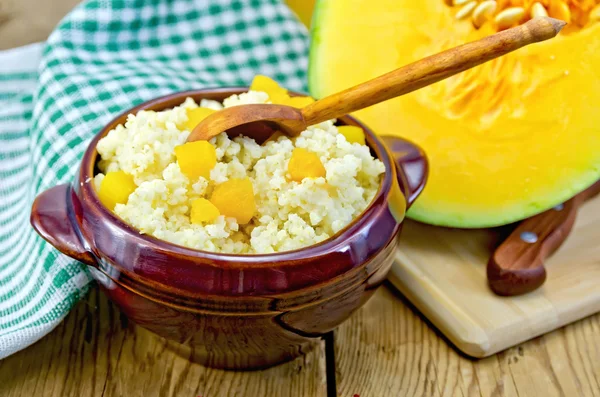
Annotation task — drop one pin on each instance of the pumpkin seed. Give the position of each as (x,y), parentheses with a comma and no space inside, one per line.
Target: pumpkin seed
(595,14)
(538,10)
(508,17)
(466,10)
(509,13)
(560,10)
(483,12)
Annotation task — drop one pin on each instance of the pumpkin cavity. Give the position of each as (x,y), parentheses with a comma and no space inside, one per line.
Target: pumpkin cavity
(504,14)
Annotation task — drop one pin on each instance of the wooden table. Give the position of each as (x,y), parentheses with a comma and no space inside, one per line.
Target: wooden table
(385,349)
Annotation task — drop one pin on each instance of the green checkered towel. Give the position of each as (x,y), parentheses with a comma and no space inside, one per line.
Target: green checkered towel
(103,58)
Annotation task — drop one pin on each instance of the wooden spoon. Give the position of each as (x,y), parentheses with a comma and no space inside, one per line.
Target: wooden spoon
(259,121)
(517,265)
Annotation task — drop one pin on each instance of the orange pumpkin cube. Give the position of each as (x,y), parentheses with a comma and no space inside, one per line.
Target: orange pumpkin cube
(277,94)
(196,158)
(235,199)
(352,133)
(305,164)
(195,116)
(300,101)
(115,189)
(203,211)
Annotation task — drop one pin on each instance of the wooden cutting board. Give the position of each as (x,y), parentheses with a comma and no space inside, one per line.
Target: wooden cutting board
(443,273)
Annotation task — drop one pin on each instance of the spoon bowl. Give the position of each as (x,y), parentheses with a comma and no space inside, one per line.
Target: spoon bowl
(257,121)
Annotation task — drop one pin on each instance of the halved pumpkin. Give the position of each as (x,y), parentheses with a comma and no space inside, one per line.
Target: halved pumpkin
(303,9)
(507,139)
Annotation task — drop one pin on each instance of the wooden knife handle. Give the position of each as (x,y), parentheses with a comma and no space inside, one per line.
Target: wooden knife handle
(517,265)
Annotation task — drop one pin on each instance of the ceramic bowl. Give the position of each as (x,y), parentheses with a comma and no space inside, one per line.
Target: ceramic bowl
(233,311)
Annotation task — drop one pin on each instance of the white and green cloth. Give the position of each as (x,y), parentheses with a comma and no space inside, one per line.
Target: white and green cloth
(103,58)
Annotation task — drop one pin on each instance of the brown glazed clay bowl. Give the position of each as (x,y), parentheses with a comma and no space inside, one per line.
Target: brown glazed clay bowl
(233,311)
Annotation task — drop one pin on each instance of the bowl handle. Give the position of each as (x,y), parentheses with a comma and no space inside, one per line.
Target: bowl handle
(54,216)
(412,166)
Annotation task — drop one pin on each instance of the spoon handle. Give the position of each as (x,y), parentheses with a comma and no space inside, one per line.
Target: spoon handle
(430,70)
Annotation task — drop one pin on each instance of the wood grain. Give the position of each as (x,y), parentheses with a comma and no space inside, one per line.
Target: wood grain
(443,272)
(27,21)
(97,352)
(387,349)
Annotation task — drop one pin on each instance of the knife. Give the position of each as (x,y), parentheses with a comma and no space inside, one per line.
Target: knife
(517,266)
